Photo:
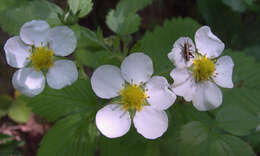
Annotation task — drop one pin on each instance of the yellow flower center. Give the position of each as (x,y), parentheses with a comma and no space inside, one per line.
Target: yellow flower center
(42,58)
(133,97)
(203,68)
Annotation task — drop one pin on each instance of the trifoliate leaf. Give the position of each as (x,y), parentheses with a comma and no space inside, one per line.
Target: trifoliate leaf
(19,111)
(13,18)
(158,44)
(200,139)
(84,6)
(53,104)
(123,20)
(246,75)
(69,137)
(236,120)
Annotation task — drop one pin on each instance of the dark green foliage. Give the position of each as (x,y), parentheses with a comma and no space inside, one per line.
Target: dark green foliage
(54,104)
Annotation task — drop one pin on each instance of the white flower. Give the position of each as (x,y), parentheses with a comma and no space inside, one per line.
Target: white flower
(32,51)
(142,94)
(195,79)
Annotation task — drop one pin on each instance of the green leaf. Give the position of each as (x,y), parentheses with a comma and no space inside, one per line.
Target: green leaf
(69,137)
(254,140)
(180,114)
(246,75)
(123,20)
(84,6)
(13,18)
(253,51)
(158,44)
(152,149)
(230,146)
(130,144)
(236,120)
(19,111)
(53,104)
(88,38)
(187,112)
(5,4)
(236,5)
(225,27)
(131,6)
(200,139)
(123,24)
(137,47)
(5,102)
(96,59)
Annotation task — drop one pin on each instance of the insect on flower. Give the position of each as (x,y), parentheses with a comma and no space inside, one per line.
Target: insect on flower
(187,52)
(183,52)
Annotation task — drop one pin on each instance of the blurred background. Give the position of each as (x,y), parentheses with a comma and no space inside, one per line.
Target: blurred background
(235,22)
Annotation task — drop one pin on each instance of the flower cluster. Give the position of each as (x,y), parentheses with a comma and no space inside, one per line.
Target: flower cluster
(195,78)
(34,51)
(136,94)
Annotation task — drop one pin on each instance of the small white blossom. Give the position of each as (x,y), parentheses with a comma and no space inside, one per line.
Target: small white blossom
(137,92)
(197,77)
(32,52)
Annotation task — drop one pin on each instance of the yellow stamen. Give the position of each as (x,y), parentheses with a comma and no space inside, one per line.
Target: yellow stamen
(133,97)
(203,68)
(42,58)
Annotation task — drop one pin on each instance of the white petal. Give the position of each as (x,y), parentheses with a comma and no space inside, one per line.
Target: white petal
(107,81)
(63,73)
(35,32)
(207,43)
(160,97)
(223,72)
(207,96)
(184,83)
(16,52)
(112,121)
(28,81)
(177,55)
(150,122)
(137,67)
(62,40)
